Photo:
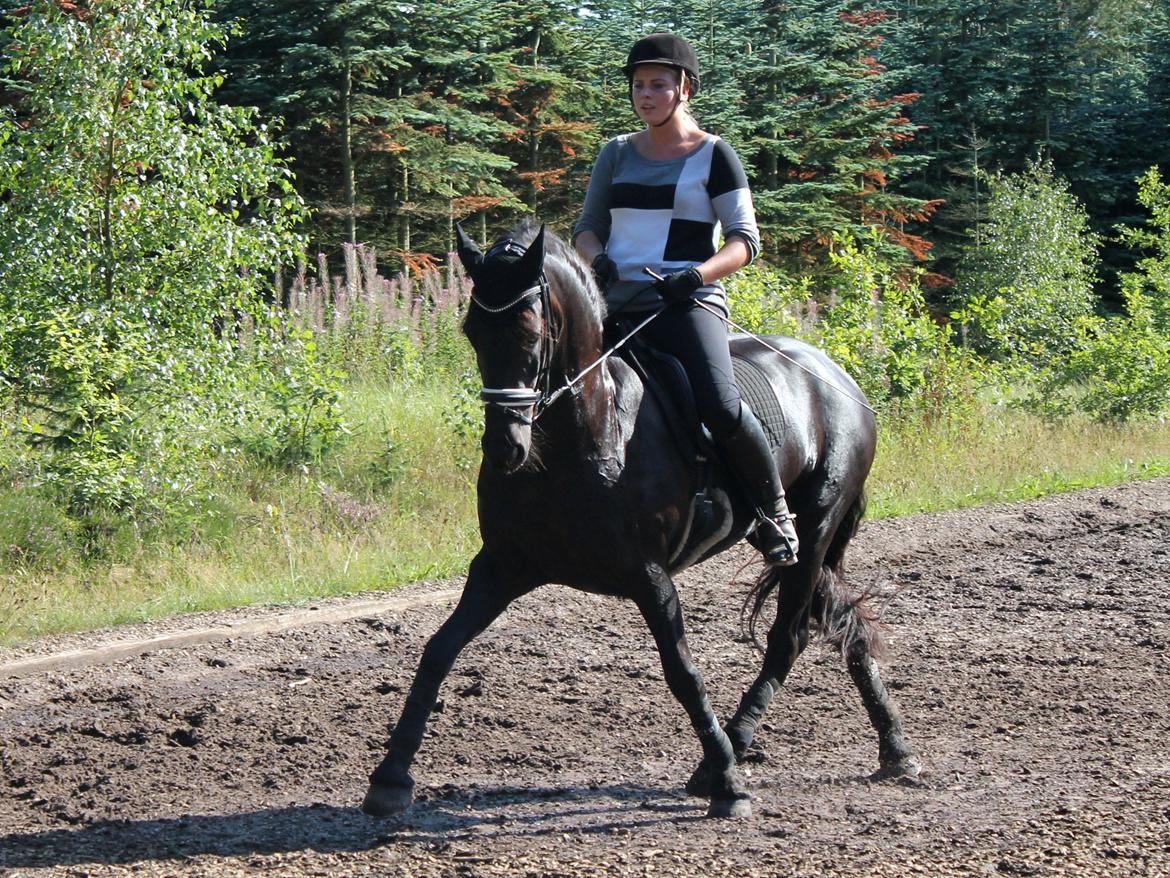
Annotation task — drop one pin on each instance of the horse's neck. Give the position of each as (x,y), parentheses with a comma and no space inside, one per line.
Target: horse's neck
(597,423)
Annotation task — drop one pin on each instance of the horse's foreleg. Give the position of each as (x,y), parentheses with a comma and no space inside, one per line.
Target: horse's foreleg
(895,755)
(485,596)
(660,608)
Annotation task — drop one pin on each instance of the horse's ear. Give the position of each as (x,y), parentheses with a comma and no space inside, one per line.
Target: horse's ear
(533,258)
(469,253)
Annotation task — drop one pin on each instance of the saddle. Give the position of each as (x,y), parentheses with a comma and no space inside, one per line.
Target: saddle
(710,517)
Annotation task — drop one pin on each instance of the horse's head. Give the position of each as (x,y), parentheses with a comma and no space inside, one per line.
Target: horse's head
(509,326)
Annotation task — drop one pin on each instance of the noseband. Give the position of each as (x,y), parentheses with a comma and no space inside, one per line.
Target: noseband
(513,401)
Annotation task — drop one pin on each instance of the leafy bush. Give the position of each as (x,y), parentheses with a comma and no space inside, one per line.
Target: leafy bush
(296,418)
(138,220)
(763,300)
(1027,280)
(875,324)
(1120,369)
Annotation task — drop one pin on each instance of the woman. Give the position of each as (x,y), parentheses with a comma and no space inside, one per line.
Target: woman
(657,199)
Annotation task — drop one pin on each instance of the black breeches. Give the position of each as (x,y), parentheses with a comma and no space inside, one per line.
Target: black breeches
(699,339)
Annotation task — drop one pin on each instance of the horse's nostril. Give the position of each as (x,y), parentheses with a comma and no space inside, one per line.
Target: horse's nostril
(507,457)
(514,459)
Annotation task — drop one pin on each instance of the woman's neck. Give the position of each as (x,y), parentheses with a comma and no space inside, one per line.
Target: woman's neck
(676,138)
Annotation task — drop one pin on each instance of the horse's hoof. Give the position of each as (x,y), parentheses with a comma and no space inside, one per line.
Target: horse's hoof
(383,801)
(908,767)
(736,809)
(699,784)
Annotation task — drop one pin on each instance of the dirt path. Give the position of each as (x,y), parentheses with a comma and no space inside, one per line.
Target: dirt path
(1029,654)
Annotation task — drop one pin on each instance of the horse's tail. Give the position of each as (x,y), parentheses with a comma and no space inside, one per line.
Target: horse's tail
(846,619)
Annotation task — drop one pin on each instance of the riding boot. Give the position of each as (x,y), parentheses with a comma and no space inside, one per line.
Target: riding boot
(749,456)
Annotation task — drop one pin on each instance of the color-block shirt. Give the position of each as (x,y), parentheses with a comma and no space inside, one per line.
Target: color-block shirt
(666,215)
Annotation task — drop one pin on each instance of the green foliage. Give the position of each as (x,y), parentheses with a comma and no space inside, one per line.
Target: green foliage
(1081,81)
(763,300)
(1121,368)
(869,314)
(138,220)
(297,420)
(876,324)
(34,532)
(1027,280)
(825,129)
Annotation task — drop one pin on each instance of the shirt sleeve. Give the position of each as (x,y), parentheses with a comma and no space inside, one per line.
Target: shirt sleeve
(732,198)
(595,215)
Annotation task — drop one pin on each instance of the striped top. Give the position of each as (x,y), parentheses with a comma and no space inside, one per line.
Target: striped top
(666,214)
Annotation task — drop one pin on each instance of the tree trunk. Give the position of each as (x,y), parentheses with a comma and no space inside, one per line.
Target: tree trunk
(347,153)
(404,236)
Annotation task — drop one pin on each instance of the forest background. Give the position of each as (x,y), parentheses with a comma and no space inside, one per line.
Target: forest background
(230,362)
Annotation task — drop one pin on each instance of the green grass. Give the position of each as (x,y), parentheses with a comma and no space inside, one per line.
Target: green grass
(999,455)
(396,504)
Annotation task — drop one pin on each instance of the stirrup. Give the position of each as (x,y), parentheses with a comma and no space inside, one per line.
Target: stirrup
(778,541)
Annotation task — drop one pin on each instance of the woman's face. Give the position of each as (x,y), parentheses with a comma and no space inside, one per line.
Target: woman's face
(655,89)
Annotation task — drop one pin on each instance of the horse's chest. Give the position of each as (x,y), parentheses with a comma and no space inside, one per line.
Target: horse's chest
(557,526)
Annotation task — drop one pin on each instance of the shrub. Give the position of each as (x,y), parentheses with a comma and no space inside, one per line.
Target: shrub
(1120,370)
(763,300)
(1027,280)
(875,324)
(137,221)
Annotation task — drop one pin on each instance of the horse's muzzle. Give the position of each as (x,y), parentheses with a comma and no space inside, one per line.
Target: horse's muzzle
(506,445)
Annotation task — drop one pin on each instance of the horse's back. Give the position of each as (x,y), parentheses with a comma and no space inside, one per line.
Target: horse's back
(827,425)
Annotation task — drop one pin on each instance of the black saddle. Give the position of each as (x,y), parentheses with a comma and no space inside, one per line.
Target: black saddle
(665,378)
(710,517)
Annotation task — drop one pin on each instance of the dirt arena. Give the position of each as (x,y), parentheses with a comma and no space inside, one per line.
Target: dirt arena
(1028,653)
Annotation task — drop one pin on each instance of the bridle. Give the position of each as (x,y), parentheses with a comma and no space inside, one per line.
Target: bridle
(515,401)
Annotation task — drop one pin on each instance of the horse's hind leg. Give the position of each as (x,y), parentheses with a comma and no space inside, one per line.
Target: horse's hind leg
(486,595)
(787,638)
(896,757)
(661,610)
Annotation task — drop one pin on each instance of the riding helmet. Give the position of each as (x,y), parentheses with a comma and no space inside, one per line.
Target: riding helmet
(664,49)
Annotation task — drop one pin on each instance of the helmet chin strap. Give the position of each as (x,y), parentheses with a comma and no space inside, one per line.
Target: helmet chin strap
(677,103)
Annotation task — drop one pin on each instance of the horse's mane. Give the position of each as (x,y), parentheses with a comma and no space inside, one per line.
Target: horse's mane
(562,258)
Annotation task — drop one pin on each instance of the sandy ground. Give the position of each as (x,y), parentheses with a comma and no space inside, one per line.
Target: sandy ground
(1028,652)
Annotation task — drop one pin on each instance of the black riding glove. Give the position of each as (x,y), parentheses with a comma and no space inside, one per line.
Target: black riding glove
(678,286)
(605,270)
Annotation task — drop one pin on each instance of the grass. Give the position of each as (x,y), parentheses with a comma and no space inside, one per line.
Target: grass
(396,504)
(1000,455)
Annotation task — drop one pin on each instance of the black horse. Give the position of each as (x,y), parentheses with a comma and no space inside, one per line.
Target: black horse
(589,489)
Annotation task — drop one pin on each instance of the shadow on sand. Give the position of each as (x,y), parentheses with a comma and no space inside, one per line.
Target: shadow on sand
(443,816)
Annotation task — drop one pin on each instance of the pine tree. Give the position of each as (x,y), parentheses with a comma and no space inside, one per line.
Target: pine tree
(323,67)
(827,130)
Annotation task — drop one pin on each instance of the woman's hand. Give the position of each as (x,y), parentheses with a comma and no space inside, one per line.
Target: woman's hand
(678,286)
(605,270)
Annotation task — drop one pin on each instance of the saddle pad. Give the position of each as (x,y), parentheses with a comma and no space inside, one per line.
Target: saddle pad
(757,392)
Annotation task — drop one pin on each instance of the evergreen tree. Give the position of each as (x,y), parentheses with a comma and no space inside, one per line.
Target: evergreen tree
(1002,82)
(322,66)
(826,129)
